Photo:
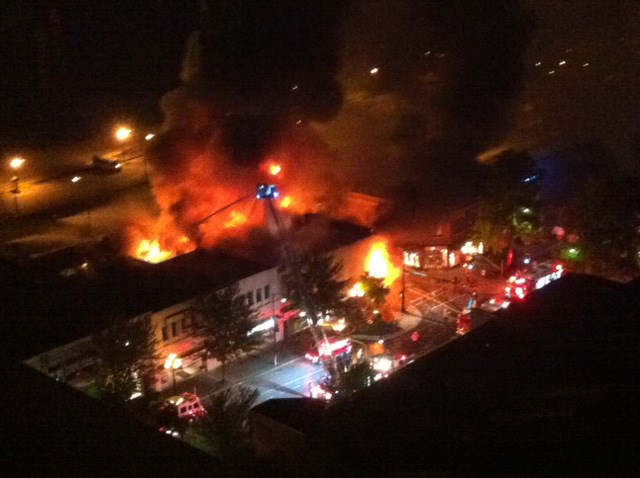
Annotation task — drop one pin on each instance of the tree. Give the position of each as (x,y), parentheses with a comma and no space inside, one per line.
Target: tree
(228,421)
(320,276)
(605,216)
(374,290)
(226,320)
(509,207)
(358,377)
(126,349)
(361,311)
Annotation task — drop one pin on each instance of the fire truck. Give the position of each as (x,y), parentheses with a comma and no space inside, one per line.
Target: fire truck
(522,283)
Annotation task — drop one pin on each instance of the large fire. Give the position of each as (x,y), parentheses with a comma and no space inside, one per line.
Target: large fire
(286,202)
(150,251)
(378,264)
(235,219)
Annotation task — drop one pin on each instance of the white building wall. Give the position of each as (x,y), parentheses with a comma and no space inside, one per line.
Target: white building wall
(263,291)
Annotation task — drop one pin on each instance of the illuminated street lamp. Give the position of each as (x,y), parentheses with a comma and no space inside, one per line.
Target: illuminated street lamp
(15,164)
(123,133)
(173,363)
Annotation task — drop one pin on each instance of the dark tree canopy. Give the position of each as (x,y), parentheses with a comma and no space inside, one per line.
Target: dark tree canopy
(126,349)
(320,274)
(509,206)
(605,215)
(226,320)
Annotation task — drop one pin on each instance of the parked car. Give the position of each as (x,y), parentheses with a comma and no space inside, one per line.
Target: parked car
(107,164)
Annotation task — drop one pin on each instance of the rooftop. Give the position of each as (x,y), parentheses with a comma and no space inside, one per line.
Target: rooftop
(45,314)
(54,430)
(549,388)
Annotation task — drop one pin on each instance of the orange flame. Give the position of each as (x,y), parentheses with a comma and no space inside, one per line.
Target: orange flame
(378,264)
(150,251)
(286,202)
(235,219)
(274,169)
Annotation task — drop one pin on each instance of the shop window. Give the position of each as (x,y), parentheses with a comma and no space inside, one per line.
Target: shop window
(258,295)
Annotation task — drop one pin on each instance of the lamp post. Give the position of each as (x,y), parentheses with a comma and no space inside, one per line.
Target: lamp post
(173,363)
(75,180)
(275,325)
(15,164)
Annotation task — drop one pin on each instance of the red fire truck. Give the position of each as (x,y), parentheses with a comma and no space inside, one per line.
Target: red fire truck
(521,283)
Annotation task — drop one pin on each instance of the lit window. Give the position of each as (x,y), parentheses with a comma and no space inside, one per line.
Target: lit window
(412,259)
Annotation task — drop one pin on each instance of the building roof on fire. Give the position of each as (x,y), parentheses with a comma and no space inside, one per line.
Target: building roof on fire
(548,389)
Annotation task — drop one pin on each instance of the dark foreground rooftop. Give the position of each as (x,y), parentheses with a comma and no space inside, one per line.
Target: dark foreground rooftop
(50,429)
(549,390)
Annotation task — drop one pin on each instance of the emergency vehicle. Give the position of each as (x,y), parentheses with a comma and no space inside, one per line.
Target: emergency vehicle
(337,348)
(185,406)
(522,283)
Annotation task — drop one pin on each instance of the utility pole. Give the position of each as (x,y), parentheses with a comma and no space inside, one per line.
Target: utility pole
(403,308)
(269,192)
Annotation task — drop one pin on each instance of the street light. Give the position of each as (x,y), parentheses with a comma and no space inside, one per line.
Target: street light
(173,363)
(15,164)
(123,133)
(75,180)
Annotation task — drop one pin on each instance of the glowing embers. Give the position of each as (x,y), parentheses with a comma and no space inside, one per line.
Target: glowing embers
(150,251)
(378,264)
(235,219)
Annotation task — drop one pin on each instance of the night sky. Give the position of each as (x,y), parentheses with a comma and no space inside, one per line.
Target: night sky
(453,79)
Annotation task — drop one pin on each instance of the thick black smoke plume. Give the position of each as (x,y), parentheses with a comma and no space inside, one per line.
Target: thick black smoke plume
(266,65)
(448,74)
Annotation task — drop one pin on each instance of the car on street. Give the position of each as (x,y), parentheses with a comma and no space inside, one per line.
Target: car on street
(106,164)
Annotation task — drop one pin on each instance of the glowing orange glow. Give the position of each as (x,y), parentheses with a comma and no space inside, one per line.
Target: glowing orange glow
(275,169)
(235,219)
(378,264)
(286,202)
(183,240)
(150,251)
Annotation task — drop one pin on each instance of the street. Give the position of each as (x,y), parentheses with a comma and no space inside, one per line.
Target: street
(288,379)
(291,377)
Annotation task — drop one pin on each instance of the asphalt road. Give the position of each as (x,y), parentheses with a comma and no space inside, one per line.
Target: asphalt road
(59,213)
(288,379)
